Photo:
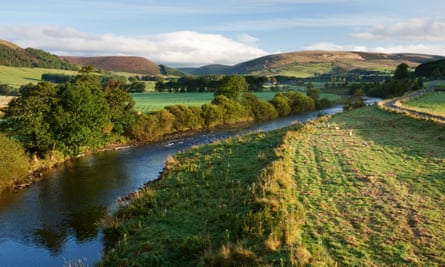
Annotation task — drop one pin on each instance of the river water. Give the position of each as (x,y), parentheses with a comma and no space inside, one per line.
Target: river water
(56,222)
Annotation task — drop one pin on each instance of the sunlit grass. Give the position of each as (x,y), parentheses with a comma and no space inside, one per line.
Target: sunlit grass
(314,195)
(18,76)
(433,103)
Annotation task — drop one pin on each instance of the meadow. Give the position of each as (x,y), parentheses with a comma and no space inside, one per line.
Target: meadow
(17,76)
(361,188)
(433,103)
(149,102)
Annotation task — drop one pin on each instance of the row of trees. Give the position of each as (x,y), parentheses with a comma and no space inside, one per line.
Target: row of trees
(206,83)
(85,113)
(222,110)
(402,81)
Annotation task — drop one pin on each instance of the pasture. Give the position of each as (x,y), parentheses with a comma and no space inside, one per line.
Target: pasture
(16,76)
(433,103)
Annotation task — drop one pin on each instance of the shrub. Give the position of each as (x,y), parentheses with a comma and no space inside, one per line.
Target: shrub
(14,162)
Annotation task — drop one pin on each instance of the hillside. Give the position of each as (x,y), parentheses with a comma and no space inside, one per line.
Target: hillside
(306,63)
(433,69)
(15,56)
(130,64)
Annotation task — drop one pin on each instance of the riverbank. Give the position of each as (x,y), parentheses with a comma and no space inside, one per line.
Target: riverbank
(362,187)
(37,166)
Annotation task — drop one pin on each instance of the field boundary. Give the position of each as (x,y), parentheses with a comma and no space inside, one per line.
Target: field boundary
(395,104)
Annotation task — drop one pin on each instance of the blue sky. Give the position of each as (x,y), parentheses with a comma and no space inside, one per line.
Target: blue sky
(201,32)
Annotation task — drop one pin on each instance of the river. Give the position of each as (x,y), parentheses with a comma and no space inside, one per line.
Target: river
(56,222)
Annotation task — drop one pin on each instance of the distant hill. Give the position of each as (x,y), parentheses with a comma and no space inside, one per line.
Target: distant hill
(433,69)
(131,64)
(308,63)
(14,56)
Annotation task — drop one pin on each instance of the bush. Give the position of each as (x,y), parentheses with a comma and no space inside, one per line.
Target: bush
(212,115)
(14,162)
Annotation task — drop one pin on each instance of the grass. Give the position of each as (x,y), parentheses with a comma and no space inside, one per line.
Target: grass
(433,103)
(373,198)
(16,76)
(149,102)
(309,195)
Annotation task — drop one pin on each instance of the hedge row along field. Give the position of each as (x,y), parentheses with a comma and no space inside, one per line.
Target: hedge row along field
(364,187)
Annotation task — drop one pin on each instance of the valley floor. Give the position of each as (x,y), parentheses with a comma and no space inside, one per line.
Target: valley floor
(364,187)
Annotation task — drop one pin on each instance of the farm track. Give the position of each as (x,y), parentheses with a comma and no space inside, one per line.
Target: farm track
(395,105)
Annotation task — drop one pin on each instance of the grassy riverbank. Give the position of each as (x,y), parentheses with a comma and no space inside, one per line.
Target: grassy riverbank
(309,195)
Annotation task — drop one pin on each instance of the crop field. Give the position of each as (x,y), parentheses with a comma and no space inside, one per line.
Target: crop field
(310,195)
(150,102)
(433,103)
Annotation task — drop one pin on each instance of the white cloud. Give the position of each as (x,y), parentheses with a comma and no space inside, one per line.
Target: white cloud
(427,29)
(327,46)
(247,38)
(183,48)
(418,48)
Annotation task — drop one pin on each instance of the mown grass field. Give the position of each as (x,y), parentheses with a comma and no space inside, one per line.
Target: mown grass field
(149,102)
(310,194)
(433,103)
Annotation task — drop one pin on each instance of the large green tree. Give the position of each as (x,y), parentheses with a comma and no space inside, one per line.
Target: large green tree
(232,87)
(30,117)
(83,117)
(71,116)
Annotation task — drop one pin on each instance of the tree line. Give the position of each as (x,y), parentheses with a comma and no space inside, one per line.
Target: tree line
(205,83)
(83,113)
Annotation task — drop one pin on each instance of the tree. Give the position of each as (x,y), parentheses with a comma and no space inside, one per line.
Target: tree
(232,87)
(281,104)
(30,117)
(136,87)
(212,115)
(83,118)
(402,72)
(260,110)
(233,110)
(300,103)
(121,106)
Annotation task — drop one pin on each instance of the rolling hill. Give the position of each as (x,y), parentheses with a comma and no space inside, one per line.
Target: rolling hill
(14,56)
(306,63)
(130,64)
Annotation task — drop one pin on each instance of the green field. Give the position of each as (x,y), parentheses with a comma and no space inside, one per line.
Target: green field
(311,195)
(16,77)
(149,102)
(433,103)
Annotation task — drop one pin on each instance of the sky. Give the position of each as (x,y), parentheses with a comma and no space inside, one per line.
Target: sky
(180,33)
